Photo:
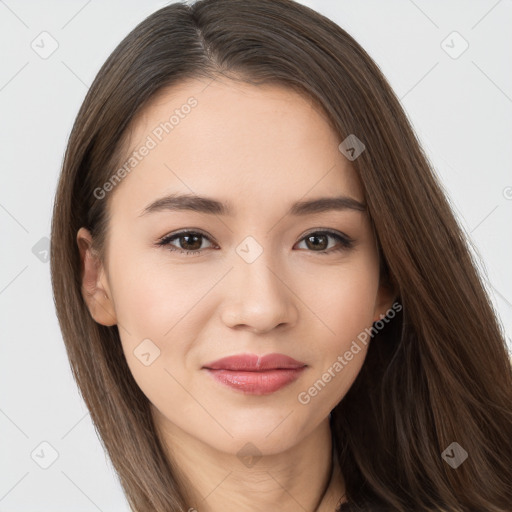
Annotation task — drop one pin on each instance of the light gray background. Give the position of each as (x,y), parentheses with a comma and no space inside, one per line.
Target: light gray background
(461,109)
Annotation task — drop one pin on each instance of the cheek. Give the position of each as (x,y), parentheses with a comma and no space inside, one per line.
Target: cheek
(344,301)
(344,313)
(154,297)
(160,311)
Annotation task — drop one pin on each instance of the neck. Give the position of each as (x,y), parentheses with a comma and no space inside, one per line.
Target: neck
(304,477)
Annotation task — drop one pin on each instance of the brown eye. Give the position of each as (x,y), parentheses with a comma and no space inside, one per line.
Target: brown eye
(318,241)
(189,242)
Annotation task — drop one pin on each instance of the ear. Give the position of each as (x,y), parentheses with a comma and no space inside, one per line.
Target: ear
(95,289)
(386,296)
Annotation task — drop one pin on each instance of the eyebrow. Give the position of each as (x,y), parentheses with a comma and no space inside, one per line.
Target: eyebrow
(199,204)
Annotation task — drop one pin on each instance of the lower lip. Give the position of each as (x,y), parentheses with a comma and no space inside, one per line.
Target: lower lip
(257,383)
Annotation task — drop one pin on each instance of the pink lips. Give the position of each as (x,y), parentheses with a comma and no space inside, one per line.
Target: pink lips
(256,375)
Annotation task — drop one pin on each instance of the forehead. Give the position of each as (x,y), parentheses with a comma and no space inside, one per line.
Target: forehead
(235,141)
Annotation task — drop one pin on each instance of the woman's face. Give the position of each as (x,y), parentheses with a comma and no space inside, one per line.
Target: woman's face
(260,273)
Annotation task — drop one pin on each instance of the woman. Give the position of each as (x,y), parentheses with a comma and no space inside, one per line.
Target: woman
(227,362)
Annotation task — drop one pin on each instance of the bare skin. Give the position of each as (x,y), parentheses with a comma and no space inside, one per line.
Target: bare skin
(260,149)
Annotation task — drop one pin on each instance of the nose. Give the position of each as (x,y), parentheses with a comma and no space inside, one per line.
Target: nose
(258,297)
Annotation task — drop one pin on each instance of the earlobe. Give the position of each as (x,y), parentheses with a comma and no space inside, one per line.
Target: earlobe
(385,299)
(95,289)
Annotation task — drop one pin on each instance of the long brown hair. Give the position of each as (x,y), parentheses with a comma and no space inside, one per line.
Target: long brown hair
(438,373)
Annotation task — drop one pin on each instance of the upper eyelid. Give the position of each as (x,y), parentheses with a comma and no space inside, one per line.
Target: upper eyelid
(170,236)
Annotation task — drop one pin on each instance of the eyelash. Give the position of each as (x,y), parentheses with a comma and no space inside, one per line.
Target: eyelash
(345,241)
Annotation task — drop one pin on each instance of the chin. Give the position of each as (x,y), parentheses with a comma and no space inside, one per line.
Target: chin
(264,437)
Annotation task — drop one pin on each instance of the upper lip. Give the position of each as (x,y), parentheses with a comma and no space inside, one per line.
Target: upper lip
(253,362)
